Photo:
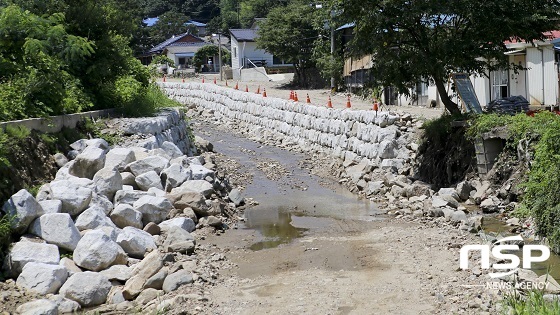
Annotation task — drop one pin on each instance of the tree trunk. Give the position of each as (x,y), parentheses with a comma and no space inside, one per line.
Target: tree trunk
(297,77)
(447,102)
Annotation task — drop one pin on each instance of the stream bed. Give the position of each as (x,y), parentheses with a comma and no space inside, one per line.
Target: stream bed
(291,200)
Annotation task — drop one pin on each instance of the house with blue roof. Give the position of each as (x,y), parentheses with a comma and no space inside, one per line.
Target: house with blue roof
(201,27)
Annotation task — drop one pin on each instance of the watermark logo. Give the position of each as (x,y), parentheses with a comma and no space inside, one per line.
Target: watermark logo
(499,250)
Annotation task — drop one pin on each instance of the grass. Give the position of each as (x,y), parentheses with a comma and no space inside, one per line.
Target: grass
(540,135)
(5,236)
(532,304)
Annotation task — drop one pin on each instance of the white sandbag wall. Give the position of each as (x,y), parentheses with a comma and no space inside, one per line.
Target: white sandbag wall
(342,132)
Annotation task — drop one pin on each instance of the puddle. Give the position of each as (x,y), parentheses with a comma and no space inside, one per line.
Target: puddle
(274,230)
(295,201)
(551,266)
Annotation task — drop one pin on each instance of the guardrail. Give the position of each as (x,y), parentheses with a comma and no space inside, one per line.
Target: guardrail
(53,124)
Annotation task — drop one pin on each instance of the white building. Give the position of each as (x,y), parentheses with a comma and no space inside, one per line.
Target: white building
(538,82)
(246,55)
(181,49)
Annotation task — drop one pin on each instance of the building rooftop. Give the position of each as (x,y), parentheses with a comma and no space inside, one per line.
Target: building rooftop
(244,35)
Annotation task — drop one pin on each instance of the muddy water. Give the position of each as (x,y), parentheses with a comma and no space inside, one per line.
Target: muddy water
(551,266)
(292,202)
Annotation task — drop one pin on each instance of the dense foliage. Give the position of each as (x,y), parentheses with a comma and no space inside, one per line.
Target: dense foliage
(201,56)
(541,199)
(67,56)
(412,41)
(534,303)
(295,34)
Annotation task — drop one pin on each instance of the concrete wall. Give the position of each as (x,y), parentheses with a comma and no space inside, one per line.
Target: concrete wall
(56,123)
(254,74)
(348,134)
(542,78)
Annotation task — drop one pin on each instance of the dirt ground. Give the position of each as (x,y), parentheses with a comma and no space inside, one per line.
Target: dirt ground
(337,264)
(351,267)
(318,97)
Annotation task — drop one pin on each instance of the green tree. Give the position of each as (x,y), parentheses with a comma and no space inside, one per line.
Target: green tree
(251,9)
(169,24)
(201,10)
(201,56)
(35,79)
(430,39)
(289,33)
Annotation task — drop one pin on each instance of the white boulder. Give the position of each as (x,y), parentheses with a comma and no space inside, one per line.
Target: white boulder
(87,163)
(150,163)
(87,288)
(95,251)
(92,218)
(175,175)
(148,180)
(42,278)
(75,198)
(38,307)
(24,252)
(201,172)
(136,242)
(124,215)
(107,181)
(153,209)
(57,229)
(119,158)
(186,224)
(51,206)
(23,207)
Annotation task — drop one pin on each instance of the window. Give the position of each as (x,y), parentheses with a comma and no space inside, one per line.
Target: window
(276,60)
(181,61)
(234,52)
(500,82)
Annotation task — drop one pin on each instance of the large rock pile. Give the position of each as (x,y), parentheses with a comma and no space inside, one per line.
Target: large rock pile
(121,219)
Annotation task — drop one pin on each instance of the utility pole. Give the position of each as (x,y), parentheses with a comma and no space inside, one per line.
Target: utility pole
(320,6)
(332,56)
(220,55)
(238,9)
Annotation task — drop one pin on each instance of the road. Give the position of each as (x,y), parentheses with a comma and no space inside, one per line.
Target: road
(318,97)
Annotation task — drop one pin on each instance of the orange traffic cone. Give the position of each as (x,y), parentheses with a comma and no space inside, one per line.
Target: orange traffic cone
(164,78)
(264,92)
(259,90)
(246,88)
(329,103)
(348,105)
(308,100)
(237,85)
(183,80)
(215,81)
(291,95)
(375,105)
(295,97)
(202,79)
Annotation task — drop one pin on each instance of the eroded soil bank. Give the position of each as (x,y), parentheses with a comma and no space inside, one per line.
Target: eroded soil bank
(310,246)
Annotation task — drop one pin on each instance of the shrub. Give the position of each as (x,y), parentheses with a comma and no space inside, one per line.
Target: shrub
(5,234)
(533,304)
(541,199)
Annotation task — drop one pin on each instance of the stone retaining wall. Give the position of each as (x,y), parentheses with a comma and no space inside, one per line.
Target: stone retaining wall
(151,132)
(348,134)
